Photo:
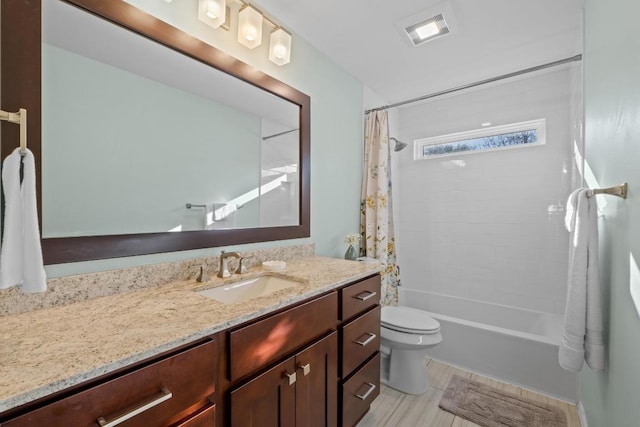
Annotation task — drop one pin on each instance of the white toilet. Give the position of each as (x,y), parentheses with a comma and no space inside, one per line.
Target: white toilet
(405,334)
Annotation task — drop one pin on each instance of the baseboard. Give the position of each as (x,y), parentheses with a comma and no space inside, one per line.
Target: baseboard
(582,415)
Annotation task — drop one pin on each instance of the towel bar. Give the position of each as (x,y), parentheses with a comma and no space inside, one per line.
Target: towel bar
(618,190)
(191,205)
(19,118)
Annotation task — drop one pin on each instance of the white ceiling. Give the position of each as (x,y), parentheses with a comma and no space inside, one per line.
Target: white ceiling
(488,38)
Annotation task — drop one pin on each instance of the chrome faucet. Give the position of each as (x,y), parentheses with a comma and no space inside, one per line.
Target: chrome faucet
(224,263)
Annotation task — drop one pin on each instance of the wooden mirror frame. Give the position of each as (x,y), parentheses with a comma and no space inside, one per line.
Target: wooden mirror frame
(21,49)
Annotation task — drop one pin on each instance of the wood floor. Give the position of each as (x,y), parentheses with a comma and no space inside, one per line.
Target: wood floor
(392,408)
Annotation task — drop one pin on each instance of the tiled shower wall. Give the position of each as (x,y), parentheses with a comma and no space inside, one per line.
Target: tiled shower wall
(478,225)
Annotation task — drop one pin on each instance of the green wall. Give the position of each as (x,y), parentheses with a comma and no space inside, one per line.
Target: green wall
(336,138)
(612,108)
(137,169)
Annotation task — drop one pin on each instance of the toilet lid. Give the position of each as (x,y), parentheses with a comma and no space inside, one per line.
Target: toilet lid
(410,320)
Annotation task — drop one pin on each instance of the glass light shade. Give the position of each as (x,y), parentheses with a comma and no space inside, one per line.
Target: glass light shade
(250,27)
(280,47)
(212,12)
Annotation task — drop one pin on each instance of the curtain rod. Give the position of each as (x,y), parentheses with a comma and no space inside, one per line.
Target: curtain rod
(479,83)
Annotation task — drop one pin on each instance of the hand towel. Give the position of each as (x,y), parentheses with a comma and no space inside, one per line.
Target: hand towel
(34,278)
(11,255)
(21,253)
(582,335)
(570,216)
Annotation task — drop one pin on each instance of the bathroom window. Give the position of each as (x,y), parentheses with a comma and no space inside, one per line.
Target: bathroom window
(522,134)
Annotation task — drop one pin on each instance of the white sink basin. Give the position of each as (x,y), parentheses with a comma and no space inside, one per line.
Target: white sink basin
(248,289)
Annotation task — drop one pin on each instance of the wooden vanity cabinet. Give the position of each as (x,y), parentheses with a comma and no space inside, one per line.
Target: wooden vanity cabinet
(176,390)
(359,349)
(299,391)
(314,363)
(334,338)
(283,369)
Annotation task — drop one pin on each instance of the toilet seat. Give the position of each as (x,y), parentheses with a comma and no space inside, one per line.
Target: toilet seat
(409,320)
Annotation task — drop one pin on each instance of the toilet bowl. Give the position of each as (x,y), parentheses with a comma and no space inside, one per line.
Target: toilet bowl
(405,334)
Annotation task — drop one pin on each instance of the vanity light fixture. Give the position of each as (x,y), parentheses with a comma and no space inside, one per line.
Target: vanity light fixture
(212,12)
(250,27)
(280,47)
(217,14)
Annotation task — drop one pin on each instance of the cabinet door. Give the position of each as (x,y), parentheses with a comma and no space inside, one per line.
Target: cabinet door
(317,385)
(268,400)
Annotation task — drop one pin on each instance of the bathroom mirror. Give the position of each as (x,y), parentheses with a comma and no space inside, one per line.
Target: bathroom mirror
(154,141)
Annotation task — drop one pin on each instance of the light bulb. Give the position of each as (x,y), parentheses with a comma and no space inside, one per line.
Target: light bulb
(250,34)
(213,10)
(280,47)
(249,27)
(280,51)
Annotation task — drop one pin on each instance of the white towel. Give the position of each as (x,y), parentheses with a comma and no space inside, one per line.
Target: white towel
(21,256)
(582,335)
(34,278)
(11,255)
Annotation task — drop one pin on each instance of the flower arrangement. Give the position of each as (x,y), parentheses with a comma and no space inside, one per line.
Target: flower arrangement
(352,239)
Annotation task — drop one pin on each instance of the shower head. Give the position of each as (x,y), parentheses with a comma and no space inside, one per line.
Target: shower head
(399,144)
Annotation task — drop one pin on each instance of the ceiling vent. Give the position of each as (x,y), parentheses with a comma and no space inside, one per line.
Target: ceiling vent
(427,30)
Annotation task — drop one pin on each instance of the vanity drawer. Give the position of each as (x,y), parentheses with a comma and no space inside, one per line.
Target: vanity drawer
(171,389)
(205,418)
(260,343)
(360,339)
(359,297)
(360,391)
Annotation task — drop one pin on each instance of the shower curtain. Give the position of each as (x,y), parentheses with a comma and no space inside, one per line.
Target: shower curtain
(376,213)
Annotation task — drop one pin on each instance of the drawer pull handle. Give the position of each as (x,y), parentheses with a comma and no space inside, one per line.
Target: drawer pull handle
(366,393)
(306,369)
(370,338)
(366,295)
(143,406)
(292,378)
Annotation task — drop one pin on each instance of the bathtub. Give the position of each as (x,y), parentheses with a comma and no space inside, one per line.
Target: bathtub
(510,344)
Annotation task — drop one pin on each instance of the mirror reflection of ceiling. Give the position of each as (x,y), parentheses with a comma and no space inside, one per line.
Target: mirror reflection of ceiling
(75,30)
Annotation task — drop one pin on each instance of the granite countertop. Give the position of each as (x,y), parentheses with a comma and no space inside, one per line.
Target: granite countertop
(48,350)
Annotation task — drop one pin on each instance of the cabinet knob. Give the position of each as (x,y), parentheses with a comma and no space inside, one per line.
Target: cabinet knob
(306,369)
(292,377)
